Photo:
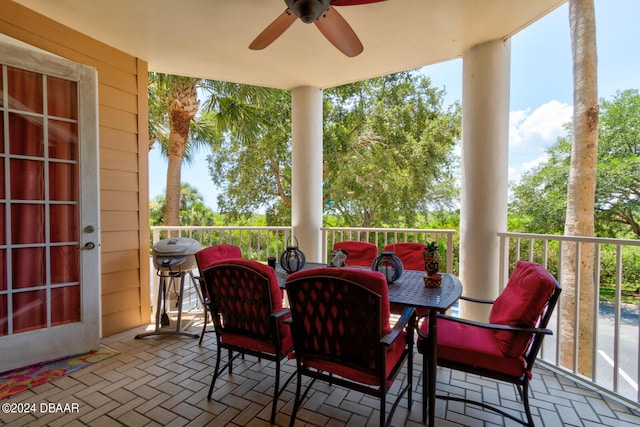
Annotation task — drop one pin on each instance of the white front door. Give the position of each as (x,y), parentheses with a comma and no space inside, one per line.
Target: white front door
(49,208)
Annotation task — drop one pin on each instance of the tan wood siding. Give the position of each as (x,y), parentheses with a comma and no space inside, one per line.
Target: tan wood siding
(119,220)
(123,137)
(119,320)
(120,261)
(113,303)
(118,200)
(118,99)
(117,119)
(111,179)
(114,241)
(120,281)
(118,79)
(119,140)
(118,160)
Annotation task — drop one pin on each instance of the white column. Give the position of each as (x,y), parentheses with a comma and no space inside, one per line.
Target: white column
(485,145)
(306,170)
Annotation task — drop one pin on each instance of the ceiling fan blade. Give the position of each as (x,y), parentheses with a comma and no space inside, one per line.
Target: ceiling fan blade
(273,30)
(334,27)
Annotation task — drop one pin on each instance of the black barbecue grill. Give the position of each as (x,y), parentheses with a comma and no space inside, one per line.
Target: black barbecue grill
(173,258)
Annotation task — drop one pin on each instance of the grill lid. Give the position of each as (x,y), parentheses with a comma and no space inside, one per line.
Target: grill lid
(179,246)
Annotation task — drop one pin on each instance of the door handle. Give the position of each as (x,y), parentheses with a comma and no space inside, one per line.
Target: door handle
(88,246)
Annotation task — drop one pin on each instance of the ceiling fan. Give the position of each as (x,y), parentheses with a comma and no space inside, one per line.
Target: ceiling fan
(321,12)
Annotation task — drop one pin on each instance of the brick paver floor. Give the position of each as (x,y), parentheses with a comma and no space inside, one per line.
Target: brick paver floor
(163,381)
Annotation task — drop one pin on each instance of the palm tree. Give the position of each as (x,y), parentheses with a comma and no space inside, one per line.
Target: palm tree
(581,190)
(180,128)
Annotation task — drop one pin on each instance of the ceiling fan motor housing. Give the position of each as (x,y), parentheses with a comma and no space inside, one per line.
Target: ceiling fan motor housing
(308,10)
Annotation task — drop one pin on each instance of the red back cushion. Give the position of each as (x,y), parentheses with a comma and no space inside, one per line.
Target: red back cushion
(372,280)
(409,253)
(520,304)
(269,272)
(233,280)
(207,256)
(358,253)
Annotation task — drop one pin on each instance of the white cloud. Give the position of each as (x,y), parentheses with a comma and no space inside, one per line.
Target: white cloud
(540,127)
(532,132)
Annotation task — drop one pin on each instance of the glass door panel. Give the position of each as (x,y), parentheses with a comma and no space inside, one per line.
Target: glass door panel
(63,140)
(62,98)
(64,226)
(49,287)
(28,268)
(65,303)
(26,135)
(25,90)
(26,179)
(65,265)
(63,182)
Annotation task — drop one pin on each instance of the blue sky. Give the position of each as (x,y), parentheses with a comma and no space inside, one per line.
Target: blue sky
(541,87)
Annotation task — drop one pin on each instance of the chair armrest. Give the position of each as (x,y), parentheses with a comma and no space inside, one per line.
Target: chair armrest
(497,326)
(281,313)
(478,300)
(470,299)
(407,318)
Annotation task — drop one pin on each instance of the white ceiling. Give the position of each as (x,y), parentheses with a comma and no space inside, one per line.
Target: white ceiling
(209,38)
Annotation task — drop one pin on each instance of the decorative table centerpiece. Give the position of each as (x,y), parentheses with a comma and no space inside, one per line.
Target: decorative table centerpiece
(388,264)
(292,259)
(431,259)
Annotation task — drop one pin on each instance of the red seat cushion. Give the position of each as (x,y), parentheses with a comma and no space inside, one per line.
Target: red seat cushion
(409,253)
(286,341)
(520,304)
(358,253)
(473,346)
(394,353)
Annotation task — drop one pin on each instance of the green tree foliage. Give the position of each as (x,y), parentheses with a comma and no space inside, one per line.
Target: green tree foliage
(253,169)
(388,155)
(539,200)
(389,150)
(618,187)
(193,211)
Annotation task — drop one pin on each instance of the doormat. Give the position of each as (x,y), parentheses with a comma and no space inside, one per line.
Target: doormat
(19,380)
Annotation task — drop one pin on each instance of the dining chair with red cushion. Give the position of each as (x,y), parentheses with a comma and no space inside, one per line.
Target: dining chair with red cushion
(410,254)
(342,335)
(506,347)
(204,258)
(359,254)
(246,303)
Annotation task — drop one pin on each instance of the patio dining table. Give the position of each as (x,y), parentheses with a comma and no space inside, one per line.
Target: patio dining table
(409,291)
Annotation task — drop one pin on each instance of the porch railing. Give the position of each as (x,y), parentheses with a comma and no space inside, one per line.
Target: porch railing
(257,243)
(384,236)
(614,352)
(615,346)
